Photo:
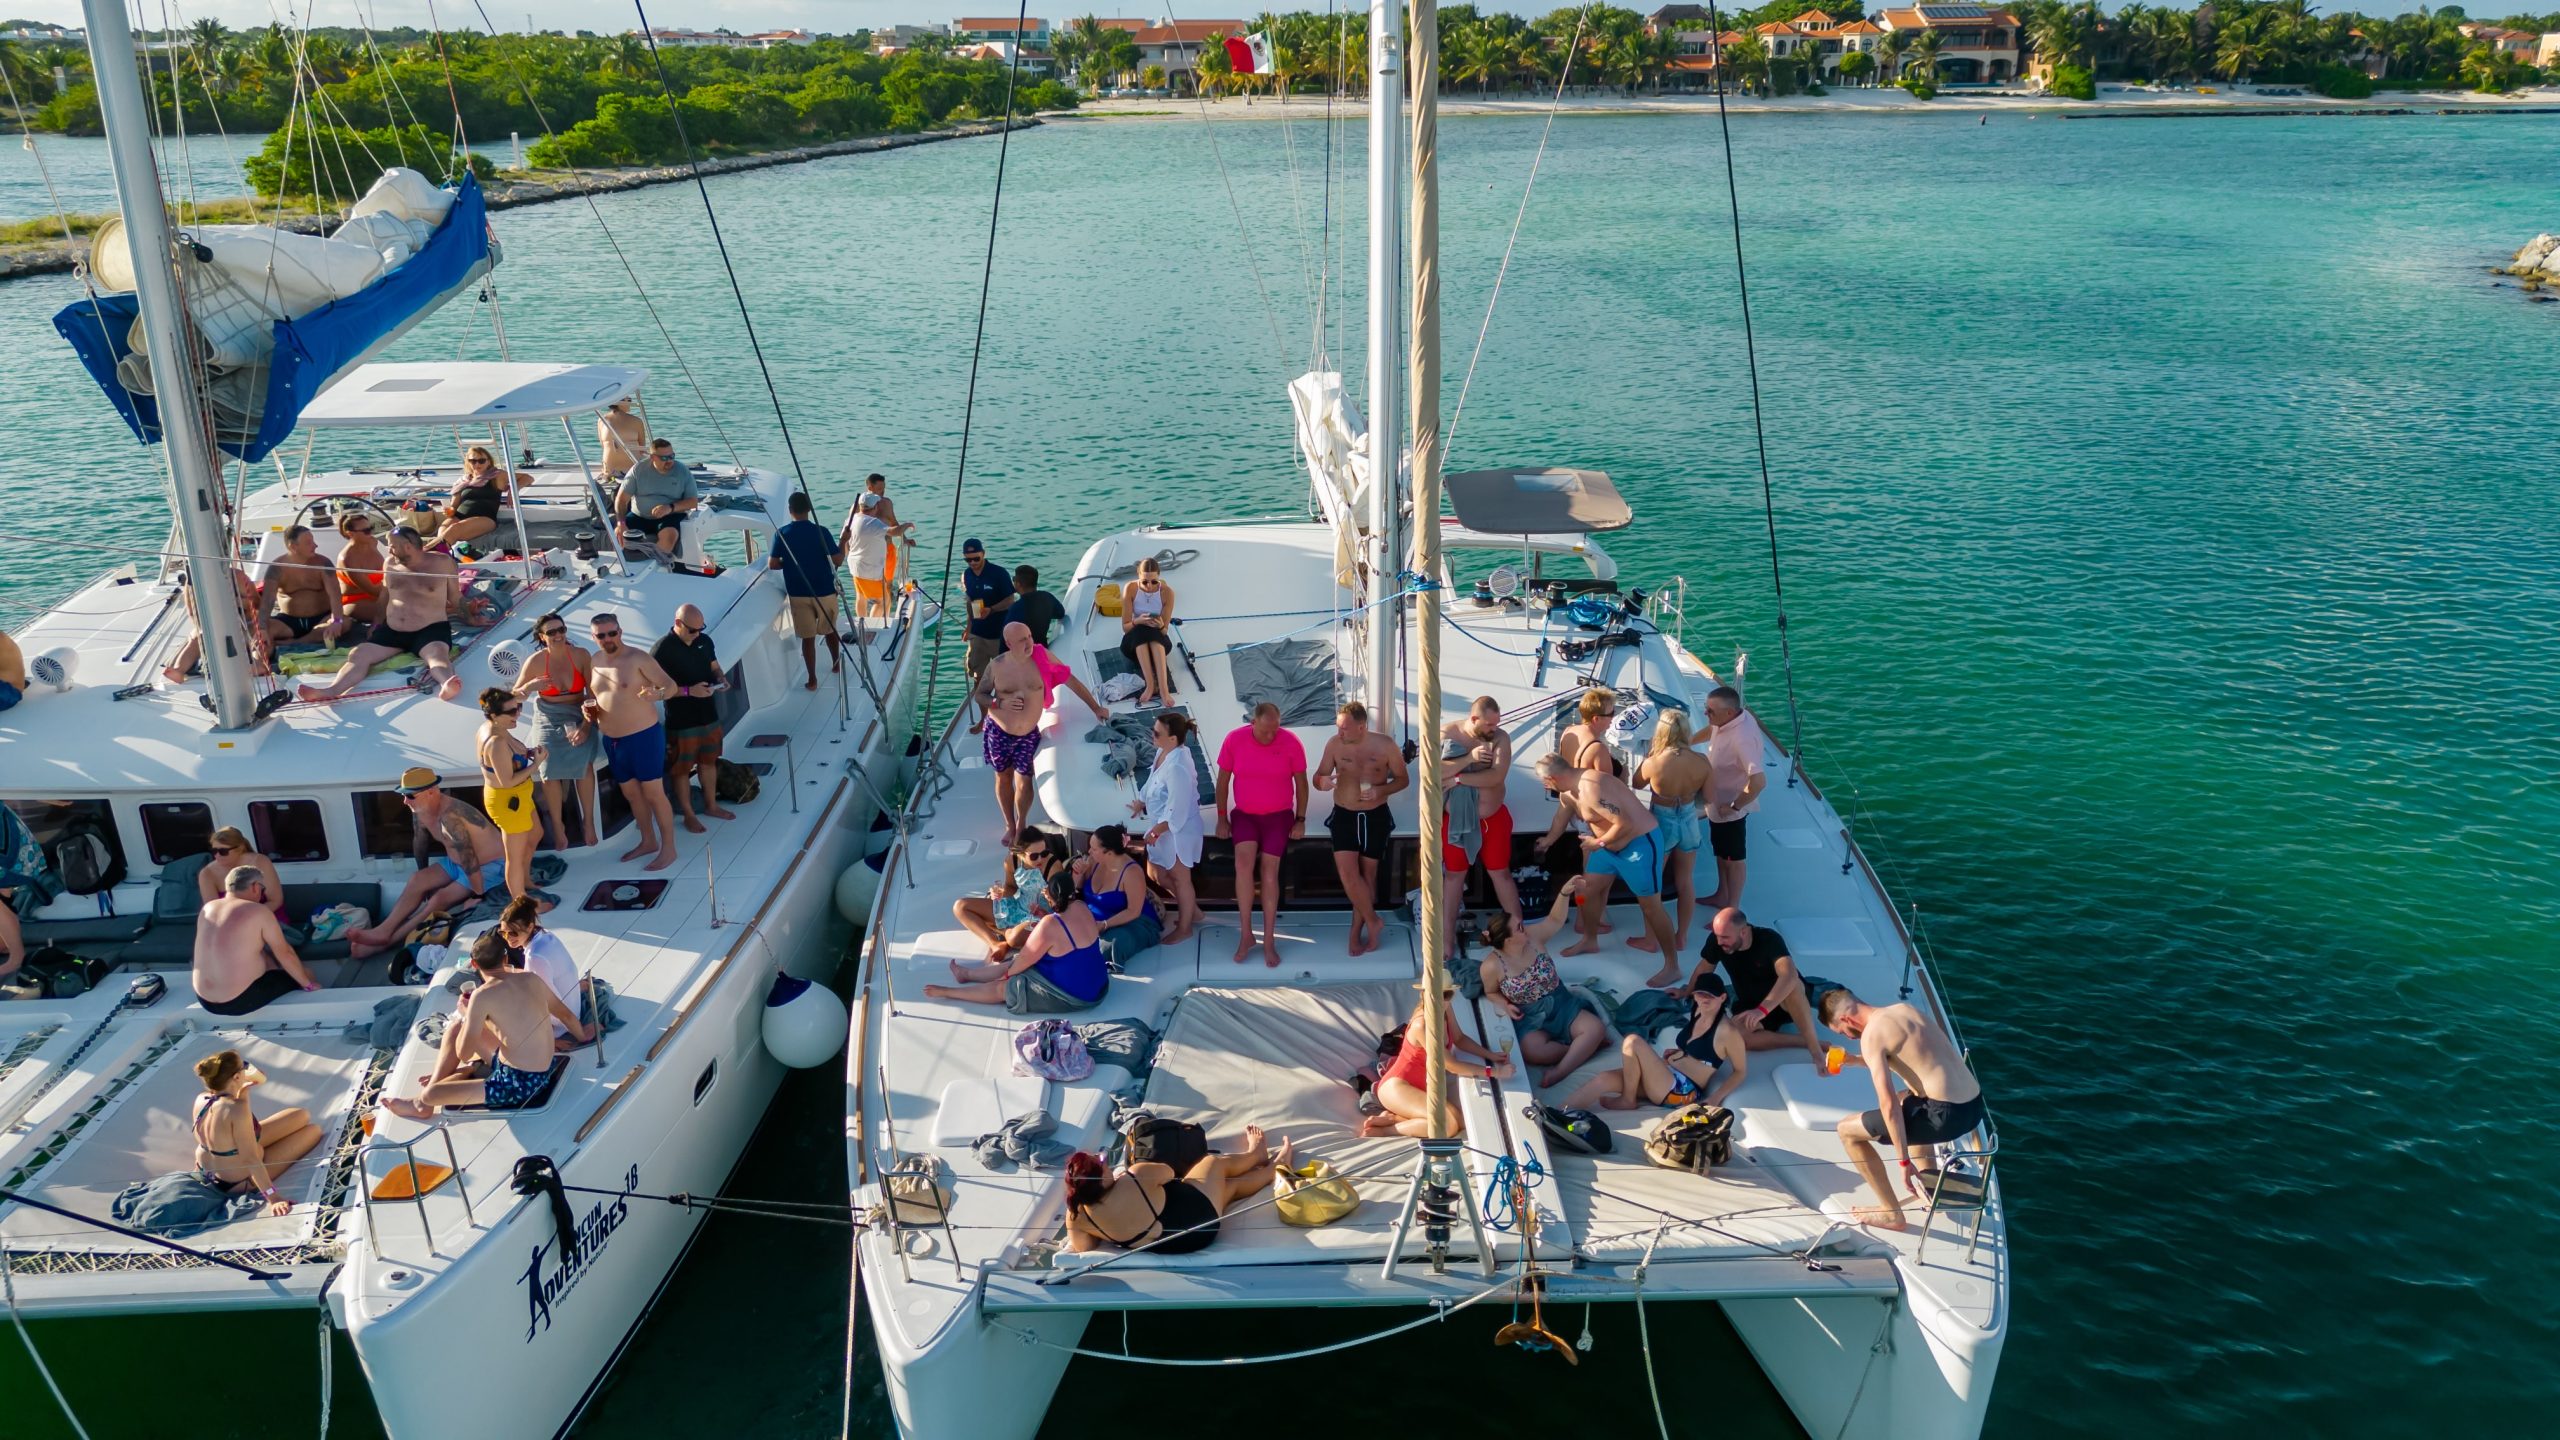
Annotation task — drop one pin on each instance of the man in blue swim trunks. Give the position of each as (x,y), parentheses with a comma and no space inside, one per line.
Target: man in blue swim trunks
(497,1050)
(1625,842)
(473,863)
(622,703)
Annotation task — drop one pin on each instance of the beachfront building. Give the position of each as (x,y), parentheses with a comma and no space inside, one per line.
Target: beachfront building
(898,39)
(1176,46)
(1977,44)
(1030,31)
(2546,51)
(727,39)
(1814,34)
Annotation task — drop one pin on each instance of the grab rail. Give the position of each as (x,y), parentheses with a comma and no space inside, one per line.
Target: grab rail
(417,1193)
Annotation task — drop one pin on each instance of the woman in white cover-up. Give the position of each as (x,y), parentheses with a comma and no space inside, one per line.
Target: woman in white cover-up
(1168,811)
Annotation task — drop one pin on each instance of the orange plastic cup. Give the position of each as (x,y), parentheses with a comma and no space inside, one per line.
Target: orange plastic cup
(1833,1059)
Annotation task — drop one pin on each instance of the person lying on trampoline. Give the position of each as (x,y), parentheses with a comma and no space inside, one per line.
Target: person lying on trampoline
(1158,1211)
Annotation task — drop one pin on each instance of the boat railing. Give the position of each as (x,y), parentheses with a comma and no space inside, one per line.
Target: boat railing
(1979,1151)
(1668,607)
(408,1150)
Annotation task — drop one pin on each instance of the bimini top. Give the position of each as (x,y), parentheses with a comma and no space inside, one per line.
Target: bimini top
(461,392)
(1537,502)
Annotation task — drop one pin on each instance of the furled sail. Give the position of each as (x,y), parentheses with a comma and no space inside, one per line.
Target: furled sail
(278,315)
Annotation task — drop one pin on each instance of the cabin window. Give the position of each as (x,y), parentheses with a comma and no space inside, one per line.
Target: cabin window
(175,828)
(288,829)
(46,820)
(384,830)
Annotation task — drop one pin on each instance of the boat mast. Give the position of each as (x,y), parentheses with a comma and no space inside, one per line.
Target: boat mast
(1386,356)
(1426,532)
(195,478)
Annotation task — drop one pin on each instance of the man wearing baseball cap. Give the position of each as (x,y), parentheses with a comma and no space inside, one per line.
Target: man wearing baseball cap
(473,863)
(991,596)
(866,540)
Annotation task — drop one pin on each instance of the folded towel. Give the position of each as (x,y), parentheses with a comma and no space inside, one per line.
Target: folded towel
(1022,1140)
(389,1025)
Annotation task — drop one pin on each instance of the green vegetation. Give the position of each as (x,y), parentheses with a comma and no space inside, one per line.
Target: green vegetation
(2072,82)
(315,160)
(600,98)
(2277,42)
(2342,82)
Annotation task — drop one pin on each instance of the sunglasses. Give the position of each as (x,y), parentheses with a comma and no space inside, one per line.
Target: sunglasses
(608,634)
(555,632)
(512,710)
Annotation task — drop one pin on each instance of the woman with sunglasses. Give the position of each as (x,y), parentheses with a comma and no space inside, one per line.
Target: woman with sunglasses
(229,851)
(360,562)
(477,497)
(506,787)
(556,678)
(1146,622)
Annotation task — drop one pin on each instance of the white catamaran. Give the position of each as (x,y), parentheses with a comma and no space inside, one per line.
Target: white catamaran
(541,1234)
(976,1305)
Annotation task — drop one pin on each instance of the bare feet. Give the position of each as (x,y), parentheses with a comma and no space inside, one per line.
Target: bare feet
(409,1109)
(635,852)
(937,992)
(1664,978)
(1877,1217)
(666,857)
(1645,943)
(1271,950)
(1286,1157)
(451,687)
(1377,1126)
(176,676)
(305,693)
(1244,944)
(1581,947)
(716,813)
(1359,939)
(812,685)
(1551,1077)
(695,827)
(1619,1102)
(1254,1147)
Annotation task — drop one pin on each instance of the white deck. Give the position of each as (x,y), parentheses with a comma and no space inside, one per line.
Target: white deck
(1785,1193)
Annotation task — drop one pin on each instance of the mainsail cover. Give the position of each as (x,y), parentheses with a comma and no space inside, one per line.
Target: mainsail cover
(311,349)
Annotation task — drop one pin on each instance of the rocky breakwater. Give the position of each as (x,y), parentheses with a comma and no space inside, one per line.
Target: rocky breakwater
(2538,266)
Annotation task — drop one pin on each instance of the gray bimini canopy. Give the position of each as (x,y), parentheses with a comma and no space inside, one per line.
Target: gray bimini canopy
(1541,501)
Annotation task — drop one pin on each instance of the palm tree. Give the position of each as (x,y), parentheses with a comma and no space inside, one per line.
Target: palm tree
(21,73)
(2491,69)
(1747,57)
(1890,50)
(1482,54)
(2240,49)
(1924,55)
(1213,70)
(2063,34)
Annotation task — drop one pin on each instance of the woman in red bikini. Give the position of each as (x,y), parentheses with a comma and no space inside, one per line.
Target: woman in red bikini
(556,677)
(1404,1089)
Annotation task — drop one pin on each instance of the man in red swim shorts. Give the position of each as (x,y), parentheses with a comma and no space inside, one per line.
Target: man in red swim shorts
(1262,769)
(1475,761)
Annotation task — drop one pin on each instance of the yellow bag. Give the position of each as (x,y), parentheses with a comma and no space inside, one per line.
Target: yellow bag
(1106,600)
(1313,1195)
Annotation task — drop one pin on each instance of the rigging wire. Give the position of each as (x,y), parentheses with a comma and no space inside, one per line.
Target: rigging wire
(1563,73)
(977,352)
(1253,262)
(1751,356)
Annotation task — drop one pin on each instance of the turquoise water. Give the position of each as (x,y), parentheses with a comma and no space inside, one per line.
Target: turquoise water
(2170,548)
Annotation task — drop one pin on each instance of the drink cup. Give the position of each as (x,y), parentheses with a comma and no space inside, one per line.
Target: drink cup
(1833,1059)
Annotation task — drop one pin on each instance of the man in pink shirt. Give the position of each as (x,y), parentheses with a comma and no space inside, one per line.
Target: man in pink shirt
(1262,806)
(1734,747)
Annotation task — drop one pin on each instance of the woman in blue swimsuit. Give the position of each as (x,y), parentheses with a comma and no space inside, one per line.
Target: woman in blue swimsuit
(1703,1066)
(1115,890)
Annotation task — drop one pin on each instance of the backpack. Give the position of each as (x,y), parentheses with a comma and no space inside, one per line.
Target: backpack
(1052,1050)
(85,857)
(1695,1138)
(65,976)
(1574,1131)
(1390,1045)
(1175,1143)
(736,783)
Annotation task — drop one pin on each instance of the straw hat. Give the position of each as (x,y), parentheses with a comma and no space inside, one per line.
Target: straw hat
(417,778)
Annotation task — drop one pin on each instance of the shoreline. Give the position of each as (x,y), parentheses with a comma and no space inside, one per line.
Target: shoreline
(2112,103)
(56,258)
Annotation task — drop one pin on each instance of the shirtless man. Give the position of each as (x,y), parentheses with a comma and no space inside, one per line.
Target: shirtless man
(1676,775)
(420,595)
(1624,842)
(175,672)
(301,593)
(1476,754)
(474,860)
(1363,770)
(622,702)
(1585,743)
(504,1025)
(1009,689)
(1942,1105)
(242,959)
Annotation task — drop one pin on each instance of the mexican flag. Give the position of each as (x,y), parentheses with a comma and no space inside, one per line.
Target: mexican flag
(1250,55)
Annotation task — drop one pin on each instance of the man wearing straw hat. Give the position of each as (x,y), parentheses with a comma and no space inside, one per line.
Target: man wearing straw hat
(474,860)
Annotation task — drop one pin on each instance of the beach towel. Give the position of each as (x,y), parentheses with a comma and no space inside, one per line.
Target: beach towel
(180,1203)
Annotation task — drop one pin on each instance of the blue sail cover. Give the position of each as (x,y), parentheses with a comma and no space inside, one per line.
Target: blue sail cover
(310,352)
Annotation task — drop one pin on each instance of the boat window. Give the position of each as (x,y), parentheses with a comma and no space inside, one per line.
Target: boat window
(47,819)
(288,829)
(385,831)
(174,828)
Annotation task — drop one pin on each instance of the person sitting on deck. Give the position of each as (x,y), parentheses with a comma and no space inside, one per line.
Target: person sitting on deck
(1158,1211)
(1404,1089)
(1003,917)
(360,565)
(1769,992)
(1114,886)
(1703,1066)
(1943,1105)
(1558,1028)
(227,851)
(531,947)
(483,491)
(497,1050)
(177,670)
(1058,969)
(421,593)
(242,955)
(657,497)
(1146,622)
(1263,769)
(1585,743)
(473,862)
(236,1151)
(1625,842)
(301,593)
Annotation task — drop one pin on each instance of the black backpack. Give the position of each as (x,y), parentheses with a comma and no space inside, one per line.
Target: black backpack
(1176,1143)
(1575,1131)
(84,856)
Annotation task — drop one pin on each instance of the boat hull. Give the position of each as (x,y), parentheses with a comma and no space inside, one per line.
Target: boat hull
(1863,1369)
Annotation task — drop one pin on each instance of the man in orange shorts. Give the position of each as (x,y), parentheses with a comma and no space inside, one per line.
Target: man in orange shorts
(876,485)
(866,539)
(1475,825)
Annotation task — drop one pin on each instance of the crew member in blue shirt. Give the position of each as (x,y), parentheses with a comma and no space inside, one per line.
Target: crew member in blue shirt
(991,596)
(808,556)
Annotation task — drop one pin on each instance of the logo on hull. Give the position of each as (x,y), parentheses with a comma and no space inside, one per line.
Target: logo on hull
(573,1255)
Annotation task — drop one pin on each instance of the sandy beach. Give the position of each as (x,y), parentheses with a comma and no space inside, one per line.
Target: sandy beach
(2112,100)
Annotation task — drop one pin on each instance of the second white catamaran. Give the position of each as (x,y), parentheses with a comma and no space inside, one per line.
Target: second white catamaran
(976,1304)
